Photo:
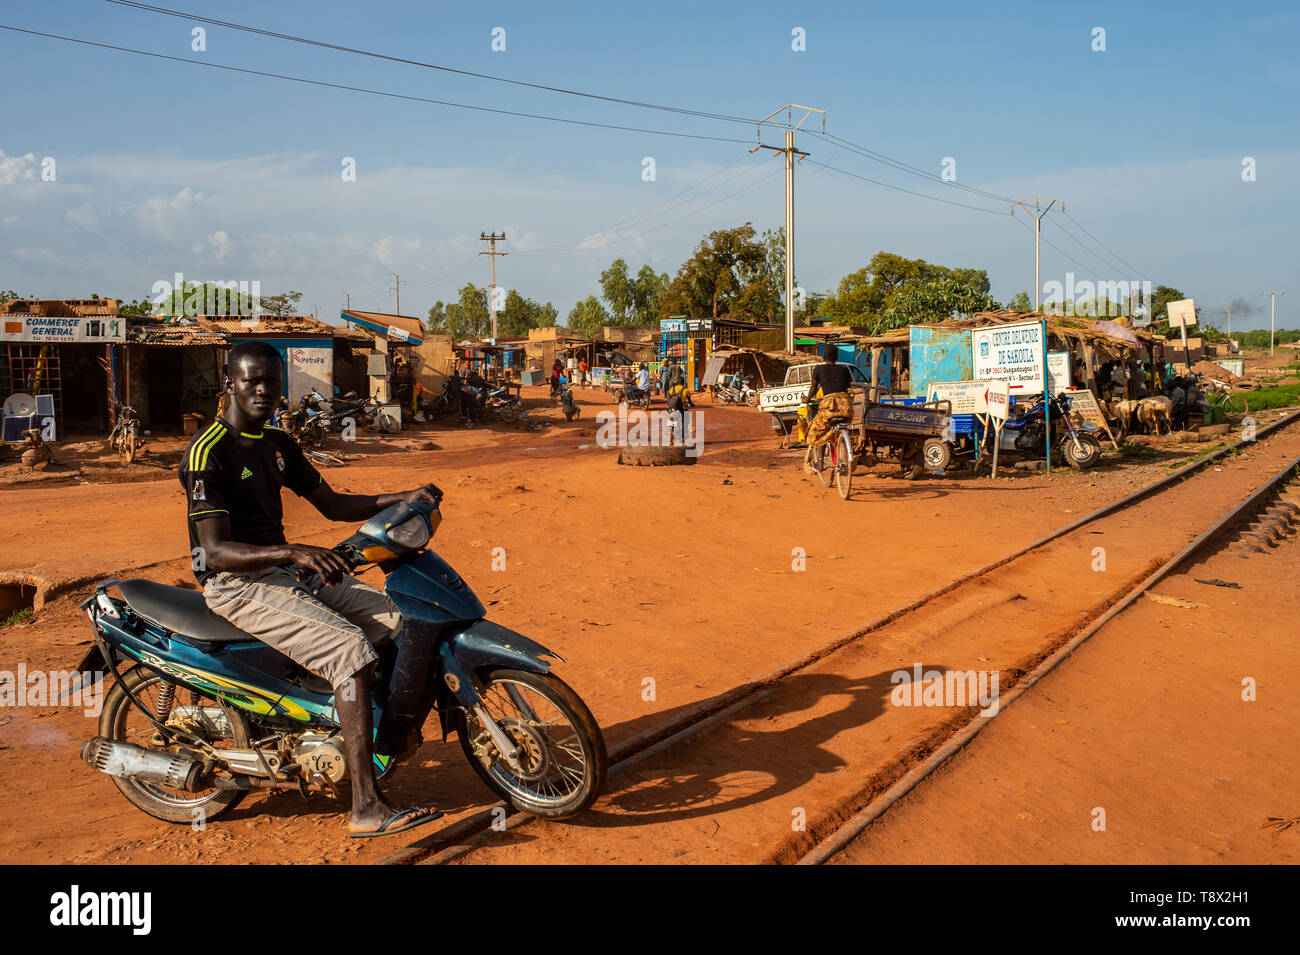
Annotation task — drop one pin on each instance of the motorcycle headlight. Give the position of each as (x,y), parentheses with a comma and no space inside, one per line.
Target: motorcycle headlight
(414,533)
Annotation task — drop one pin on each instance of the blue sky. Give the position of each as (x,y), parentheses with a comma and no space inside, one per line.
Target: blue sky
(165,167)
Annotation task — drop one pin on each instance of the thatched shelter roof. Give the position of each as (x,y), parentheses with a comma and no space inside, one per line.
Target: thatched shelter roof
(1061,327)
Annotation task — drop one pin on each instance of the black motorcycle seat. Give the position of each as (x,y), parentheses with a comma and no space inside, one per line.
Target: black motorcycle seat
(180,610)
(838,420)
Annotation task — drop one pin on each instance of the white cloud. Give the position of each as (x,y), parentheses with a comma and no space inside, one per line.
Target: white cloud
(16,169)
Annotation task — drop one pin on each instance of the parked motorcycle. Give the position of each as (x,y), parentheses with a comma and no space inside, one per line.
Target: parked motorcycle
(505,405)
(737,390)
(204,713)
(1077,443)
(567,404)
(125,437)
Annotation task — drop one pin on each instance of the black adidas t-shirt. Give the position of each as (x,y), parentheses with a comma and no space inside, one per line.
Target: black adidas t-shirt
(231,472)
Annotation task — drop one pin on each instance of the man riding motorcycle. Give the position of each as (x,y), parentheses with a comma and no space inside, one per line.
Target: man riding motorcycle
(297,598)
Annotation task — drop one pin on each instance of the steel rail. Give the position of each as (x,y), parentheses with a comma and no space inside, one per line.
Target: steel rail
(478,828)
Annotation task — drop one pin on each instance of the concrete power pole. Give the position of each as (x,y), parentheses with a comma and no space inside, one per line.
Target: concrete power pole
(1038,224)
(491,239)
(1272,321)
(789,126)
(397,287)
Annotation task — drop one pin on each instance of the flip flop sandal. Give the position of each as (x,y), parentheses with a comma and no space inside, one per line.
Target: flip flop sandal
(426,815)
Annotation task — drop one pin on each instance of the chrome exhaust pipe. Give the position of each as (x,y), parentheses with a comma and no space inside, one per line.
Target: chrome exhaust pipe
(129,761)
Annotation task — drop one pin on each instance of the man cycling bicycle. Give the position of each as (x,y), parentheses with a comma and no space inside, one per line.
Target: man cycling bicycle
(833,380)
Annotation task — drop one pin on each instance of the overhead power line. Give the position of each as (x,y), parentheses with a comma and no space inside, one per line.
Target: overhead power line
(910,192)
(1104,245)
(663,225)
(293,38)
(646,214)
(371,92)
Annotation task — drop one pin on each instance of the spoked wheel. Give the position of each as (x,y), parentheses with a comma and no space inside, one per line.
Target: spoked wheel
(1235,406)
(561,757)
(122,722)
(129,445)
(751,399)
(1081,451)
(510,413)
(820,460)
(843,464)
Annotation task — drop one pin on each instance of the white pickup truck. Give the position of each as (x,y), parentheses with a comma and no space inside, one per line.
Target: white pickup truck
(783,401)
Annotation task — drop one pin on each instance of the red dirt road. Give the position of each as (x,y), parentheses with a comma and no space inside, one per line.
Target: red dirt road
(630,573)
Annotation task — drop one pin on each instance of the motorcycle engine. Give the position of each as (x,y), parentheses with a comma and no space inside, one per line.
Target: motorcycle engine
(321,755)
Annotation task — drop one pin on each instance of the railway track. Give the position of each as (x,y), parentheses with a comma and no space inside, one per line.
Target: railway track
(836,825)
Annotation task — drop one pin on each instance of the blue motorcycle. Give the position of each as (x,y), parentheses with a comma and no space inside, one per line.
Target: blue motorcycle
(203,713)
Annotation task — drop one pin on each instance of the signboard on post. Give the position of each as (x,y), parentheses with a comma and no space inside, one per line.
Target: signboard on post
(998,398)
(1011,353)
(1085,402)
(1182,313)
(967,397)
(1058,371)
(61,329)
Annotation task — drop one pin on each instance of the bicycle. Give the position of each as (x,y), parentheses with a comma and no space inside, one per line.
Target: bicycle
(833,458)
(1232,405)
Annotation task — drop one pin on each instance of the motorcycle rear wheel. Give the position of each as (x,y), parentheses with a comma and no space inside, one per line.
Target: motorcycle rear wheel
(121,722)
(564,765)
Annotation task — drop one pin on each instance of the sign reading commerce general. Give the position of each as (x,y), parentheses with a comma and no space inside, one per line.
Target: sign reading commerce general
(1011,353)
(61,328)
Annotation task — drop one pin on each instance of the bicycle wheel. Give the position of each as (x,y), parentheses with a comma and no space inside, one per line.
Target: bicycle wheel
(843,464)
(1235,406)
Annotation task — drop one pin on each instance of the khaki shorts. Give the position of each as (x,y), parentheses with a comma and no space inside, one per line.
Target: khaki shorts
(333,633)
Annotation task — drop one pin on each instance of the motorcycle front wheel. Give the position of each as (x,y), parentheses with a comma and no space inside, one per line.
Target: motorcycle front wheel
(561,750)
(1081,451)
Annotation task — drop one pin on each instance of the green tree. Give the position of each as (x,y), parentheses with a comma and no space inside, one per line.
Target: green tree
(587,317)
(472,318)
(868,295)
(520,314)
(436,323)
(619,291)
(726,274)
(282,305)
(648,295)
(934,300)
(1020,303)
(221,298)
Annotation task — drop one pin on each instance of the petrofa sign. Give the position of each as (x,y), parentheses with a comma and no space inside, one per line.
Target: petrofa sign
(307,356)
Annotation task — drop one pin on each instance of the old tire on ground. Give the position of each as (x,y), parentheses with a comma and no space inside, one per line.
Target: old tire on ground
(655,456)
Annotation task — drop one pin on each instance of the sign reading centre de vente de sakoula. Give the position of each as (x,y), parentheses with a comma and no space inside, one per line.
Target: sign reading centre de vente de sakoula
(1016,354)
(63,329)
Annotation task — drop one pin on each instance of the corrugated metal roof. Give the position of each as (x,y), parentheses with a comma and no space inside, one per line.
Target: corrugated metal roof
(382,320)
(61,308)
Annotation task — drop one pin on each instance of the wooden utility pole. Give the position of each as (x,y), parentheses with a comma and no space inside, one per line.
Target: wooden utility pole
(492,253)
